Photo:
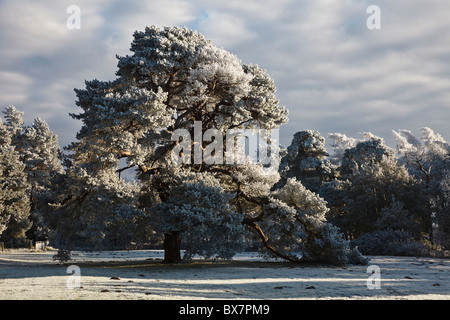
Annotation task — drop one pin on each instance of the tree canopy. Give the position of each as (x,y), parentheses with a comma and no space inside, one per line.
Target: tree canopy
(177,80)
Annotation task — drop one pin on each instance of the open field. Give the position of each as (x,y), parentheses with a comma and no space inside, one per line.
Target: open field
(134,275)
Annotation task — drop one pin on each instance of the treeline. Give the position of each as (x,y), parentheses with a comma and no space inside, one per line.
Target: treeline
(386,201)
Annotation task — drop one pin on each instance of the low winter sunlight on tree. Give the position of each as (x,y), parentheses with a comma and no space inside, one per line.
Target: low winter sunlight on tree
(34,153)
(177,81)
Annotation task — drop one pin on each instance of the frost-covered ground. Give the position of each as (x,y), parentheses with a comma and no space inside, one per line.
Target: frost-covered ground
(140,275)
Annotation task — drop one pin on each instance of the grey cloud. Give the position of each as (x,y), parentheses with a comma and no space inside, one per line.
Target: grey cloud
(332,73)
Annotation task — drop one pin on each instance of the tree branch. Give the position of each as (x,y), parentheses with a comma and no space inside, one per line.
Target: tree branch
(269,247)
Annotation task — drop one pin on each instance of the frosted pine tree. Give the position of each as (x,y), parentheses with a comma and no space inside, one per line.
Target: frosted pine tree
(443,211)
(296,228)
(174,78)
(198,209)
(14,200)
(340,143)
(175,82)
(14,124)
(425,158)
(306,160)
(428,158)
(371,185)
(39,150)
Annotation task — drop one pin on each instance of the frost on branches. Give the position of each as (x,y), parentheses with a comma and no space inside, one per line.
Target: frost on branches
(174,78)
(427,159)
(307,160)
(14,203)
(372,182)
(30,159)
(296,227)
(390,201)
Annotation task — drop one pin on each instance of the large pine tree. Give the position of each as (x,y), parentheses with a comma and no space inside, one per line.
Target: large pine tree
(176,82)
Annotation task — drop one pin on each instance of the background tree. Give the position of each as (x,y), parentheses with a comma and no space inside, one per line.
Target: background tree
(428,160)
(374,190)
(340,143)
(14,125)
(41,155)
(306,160)
(14,200)
(425,158)
(443,211)
(37,148)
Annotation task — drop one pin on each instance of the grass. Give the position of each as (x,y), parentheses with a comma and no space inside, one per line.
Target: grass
(157,265)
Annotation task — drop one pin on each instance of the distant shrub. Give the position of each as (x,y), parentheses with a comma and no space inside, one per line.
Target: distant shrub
(62,256)
(389,242)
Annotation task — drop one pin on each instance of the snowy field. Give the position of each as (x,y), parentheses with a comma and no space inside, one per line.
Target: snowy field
(134,275)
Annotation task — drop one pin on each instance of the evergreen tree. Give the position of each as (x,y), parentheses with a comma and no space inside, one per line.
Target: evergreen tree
(41,155)
(306,160)
(425,158)
(296,226)
(36,148)
(428,159)
(174,78)
(14,124)
(373,190)
(14,201)
(198,210)
(443,211)
(176,81)
(340,143)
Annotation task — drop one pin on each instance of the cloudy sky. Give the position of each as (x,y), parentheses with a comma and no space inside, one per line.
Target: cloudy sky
(331,71)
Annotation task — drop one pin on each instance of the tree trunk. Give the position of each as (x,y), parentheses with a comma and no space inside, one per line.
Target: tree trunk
(172,247)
